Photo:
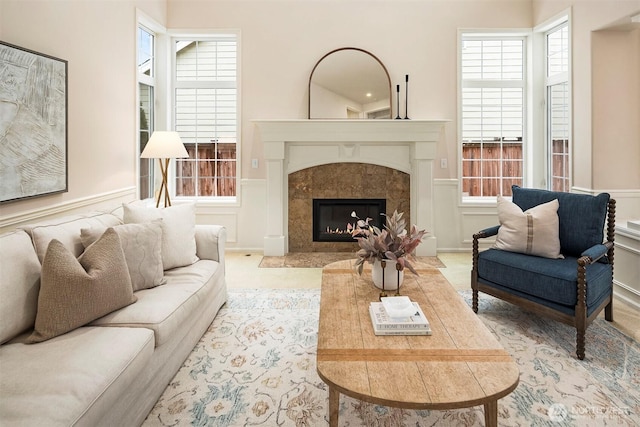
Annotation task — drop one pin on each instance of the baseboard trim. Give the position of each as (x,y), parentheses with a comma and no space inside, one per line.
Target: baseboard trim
(627,294)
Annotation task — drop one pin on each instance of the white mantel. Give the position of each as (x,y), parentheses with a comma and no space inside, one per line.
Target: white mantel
(293,145)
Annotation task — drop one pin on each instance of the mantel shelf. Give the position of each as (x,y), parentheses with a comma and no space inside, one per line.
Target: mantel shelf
(278,130)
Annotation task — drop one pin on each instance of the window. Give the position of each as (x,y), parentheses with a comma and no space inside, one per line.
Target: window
(493,128)
(146,82)
(557,107)
(205,112)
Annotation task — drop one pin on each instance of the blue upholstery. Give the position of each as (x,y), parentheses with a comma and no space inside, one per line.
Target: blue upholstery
(572,290)
(570,311)
(581,216)
(553,280)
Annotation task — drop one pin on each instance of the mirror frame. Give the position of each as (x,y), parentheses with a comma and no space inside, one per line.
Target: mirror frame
(338,50)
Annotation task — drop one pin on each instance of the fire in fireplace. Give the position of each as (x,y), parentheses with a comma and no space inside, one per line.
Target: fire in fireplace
(332,220)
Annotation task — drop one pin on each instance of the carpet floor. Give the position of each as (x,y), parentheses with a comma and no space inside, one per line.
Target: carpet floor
(255,366)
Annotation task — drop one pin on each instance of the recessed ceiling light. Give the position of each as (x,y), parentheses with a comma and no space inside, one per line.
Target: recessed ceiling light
(369,94)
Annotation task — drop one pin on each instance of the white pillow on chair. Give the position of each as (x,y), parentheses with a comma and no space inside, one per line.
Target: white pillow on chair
(533,232)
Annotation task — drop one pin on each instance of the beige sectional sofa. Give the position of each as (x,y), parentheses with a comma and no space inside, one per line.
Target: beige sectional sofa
(111,371)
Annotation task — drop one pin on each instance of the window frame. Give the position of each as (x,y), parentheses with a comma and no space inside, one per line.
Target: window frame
(178,36)
(502,34)
(551,81)
(146,25)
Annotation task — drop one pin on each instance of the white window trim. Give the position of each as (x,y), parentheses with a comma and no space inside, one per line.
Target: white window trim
(539,143)
(143,20)
(564,77)
(185,34)
(470,201)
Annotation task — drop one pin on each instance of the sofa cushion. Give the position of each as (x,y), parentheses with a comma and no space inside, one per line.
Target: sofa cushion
(142,247)
(19,284)
(533,232)
(67,231)
(178,230)
(555,279)
(165,308)
(74,291)
(581,216)
(55,383)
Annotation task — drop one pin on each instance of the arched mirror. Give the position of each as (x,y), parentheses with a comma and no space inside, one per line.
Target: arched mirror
(349,83)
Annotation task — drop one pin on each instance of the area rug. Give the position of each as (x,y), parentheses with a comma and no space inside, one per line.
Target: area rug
(256,367)
(320,259)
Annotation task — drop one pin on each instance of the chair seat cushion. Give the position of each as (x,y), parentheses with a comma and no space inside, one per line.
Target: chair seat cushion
(553,280)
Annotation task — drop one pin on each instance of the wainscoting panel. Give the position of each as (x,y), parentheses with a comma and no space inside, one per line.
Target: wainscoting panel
(229,220)
(627,265)
(98,202)
(456,223)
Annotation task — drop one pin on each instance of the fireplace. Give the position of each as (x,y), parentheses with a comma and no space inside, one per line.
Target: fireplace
(332,220)
(291,146)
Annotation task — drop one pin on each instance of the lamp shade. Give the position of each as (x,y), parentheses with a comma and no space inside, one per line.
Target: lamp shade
(164,145)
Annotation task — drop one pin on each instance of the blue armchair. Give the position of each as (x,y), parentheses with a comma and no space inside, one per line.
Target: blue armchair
(573,290)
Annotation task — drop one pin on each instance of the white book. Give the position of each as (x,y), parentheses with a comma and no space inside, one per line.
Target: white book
(383,322)
(401,331)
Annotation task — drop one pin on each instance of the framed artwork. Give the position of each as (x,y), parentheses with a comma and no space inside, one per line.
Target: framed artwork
(33,124)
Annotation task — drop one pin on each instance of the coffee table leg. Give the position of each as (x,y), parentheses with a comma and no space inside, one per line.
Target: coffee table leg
(490,413)
(334,406)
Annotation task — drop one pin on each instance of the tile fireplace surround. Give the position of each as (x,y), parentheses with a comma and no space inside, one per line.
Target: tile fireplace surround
(293,145)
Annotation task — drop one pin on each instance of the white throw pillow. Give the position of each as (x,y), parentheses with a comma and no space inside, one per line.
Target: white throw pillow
(533,232)
(142,246)
(178,231)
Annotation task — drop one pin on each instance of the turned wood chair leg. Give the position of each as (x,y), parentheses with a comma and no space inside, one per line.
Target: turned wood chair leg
(608,312)
(580,333)
(474,273)
(474,304)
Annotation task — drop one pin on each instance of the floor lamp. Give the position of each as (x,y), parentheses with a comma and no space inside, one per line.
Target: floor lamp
(164,145)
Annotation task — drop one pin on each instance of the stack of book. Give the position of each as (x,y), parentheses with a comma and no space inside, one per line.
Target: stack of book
(398,316)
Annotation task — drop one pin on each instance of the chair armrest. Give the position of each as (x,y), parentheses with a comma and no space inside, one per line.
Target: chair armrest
(210,242)
(596,252)
(487,232)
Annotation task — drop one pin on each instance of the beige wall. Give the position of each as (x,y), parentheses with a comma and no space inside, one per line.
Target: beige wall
(282,41)
(616,108)
(97,38)
(605,156)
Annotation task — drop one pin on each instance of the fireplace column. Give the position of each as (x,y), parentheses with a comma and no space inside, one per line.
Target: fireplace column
(422,202)
(275,241)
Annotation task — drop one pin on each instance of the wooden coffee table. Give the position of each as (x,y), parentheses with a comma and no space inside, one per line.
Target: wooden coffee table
(460,365)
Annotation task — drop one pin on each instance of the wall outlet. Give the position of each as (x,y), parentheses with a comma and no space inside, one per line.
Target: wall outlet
(443,163)
(254,163)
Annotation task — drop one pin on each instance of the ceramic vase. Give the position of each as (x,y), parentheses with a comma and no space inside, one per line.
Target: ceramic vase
(391,279)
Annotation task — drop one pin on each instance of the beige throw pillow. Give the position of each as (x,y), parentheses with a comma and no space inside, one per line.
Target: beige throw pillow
(74,292)
(178,231)
(142,247)
(533,232)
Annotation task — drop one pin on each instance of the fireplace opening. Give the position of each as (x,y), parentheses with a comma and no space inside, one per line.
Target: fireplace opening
(332,217)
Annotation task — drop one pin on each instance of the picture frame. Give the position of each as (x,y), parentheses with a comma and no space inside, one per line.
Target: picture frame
(33,124)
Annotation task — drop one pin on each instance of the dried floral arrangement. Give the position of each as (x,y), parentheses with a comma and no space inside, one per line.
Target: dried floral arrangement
(393,242)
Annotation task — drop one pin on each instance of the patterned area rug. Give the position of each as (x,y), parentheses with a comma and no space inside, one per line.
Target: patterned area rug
(320,259)
(256,367)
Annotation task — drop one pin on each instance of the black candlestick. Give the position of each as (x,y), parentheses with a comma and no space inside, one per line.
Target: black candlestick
(398,96)
(406,97)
